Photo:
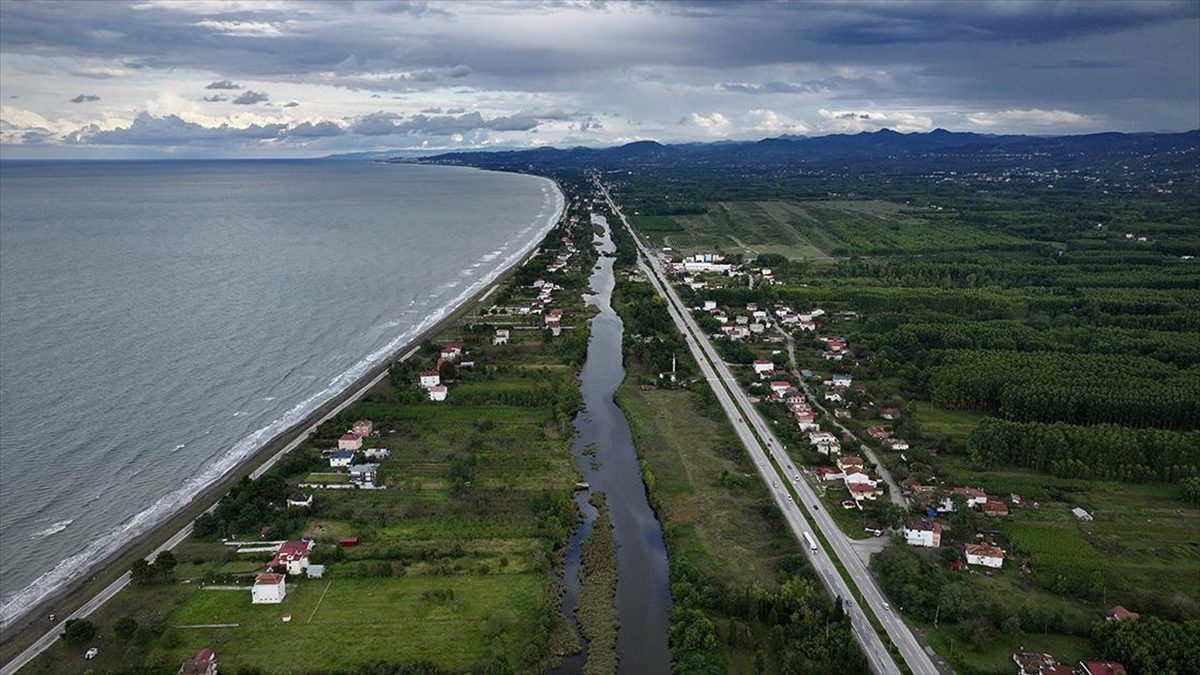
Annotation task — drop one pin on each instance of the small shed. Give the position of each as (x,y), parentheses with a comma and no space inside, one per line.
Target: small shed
(348,542)
(315,571)
(1081,514)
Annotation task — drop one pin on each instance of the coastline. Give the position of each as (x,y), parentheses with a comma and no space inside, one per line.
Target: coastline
(78,598)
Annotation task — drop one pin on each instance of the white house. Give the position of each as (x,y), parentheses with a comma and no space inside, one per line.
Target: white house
(859,478)
(350,442)
(501,337)
(833,396)
(292,555)
(818,437)
(974,496)
(437,393)
(842,380)
(341,459)
(377,453)
(985,554)
(710,305)
(923,533)
(898,445)
(364,475)
(780,387)
(268,589)
(762,367)
(430,378)
(300,501)
(452,351)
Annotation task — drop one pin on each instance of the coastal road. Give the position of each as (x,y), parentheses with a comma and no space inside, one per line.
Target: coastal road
(784,480)
(43,643)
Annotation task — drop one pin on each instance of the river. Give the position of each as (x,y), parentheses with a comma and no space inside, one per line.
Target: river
(643,584)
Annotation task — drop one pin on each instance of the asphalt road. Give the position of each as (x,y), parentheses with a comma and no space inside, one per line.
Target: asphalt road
(748,422)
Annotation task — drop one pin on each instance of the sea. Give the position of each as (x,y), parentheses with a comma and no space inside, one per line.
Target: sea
(161,320)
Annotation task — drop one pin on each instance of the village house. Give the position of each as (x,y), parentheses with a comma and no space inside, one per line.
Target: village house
(292,556)
(763,367)
(806,420)
(887,413)
(437,393)
(842,380)
(377,453)
(501,337)
(314,571)
(553,318)
(451,352)
(430,378)
(898,444)
(858,477)
(834,396)
(268,589)
(363,428)
(994,507)
(861,491)
(780,387)
(985,555)
(350,442)
(923,533)
(828,473)
(842,413)
(1101,668)
(818,437)
(1119,613)
(1033,663)
(878,433)
(341,459)
(204,663)
(829,448)
(1081,515)
(300,501)
(364,475)
(757,328)
(710,305)
(850,463)
(973,496)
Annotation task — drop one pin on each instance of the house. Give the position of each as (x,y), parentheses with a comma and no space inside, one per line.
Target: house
(898,444)
(292,555)
(862,491)
(974,496)
(553,318)
(377,453)
(842,413)
(878,433)
(341,459)
(850,463)
(995,507)
(829,448)
(1101,668)
(349,442)
(807,326)
(452,351)
(1081,514)
(763,367)
(780,387)
(888,413)
(828,473)
(363,428)
(1119,613)
(437,393)
(818,437)
(347,542)
(501,337)
(834,396)
(923,533)
(300,501)
(1032,663)
(268,589)
(854,477)
(710,305)
(204,663)
(842,380)
(985,554)
(315,571)
(364,475)
(430,378)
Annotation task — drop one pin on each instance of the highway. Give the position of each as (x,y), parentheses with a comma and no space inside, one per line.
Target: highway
(780,475)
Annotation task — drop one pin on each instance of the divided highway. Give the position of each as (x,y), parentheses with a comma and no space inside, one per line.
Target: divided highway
(780,474)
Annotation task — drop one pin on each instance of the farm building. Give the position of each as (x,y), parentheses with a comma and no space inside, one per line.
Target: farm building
(268,589)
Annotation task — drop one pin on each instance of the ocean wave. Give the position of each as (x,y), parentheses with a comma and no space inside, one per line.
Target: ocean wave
(103,546)
(54,529)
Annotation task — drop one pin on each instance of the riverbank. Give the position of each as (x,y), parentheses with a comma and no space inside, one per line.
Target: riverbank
(105,573)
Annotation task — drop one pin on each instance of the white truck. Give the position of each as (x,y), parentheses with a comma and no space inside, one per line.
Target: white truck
(812,543)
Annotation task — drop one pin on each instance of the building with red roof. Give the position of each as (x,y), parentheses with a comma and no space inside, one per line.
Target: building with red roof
(1119,613)
(350,442)
(292,556)
(204,663)
(1101,668)
(268,589)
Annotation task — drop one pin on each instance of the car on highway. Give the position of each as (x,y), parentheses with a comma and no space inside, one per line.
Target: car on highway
(816,507)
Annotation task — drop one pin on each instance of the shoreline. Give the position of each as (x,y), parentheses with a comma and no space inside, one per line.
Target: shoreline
(78,598)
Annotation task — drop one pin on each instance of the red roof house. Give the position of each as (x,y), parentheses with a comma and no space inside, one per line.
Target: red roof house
(292,555)
(1119,613)
(204,663)
(1102,668)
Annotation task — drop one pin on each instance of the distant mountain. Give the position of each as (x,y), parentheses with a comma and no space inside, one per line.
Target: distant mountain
(884,150)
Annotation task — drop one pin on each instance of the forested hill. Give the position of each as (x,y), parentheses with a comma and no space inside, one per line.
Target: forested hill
(884,150)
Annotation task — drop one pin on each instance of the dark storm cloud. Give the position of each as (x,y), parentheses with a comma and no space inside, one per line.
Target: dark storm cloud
(251,97)
(83,98)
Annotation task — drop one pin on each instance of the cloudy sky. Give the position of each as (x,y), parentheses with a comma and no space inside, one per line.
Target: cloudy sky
(209,78)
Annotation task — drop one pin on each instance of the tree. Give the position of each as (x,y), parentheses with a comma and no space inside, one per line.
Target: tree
(125,627)
(142,572)
(78,632)
(165,563)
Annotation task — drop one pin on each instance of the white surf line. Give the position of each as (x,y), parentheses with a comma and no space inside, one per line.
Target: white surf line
(319,601)
(43,643)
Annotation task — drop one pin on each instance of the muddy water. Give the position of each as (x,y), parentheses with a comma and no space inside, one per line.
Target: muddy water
(643,587)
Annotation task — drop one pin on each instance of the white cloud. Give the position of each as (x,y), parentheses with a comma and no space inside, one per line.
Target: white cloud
(1030,117)
(771,122)
(242,28)
(715,124)
(848,121)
